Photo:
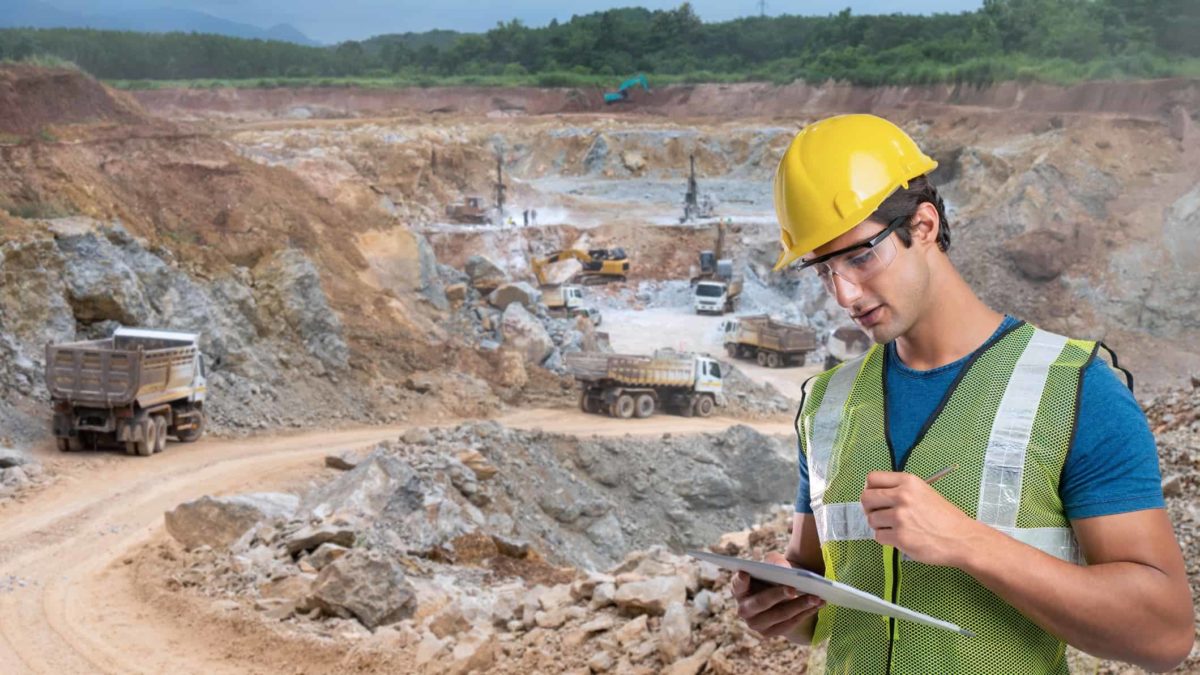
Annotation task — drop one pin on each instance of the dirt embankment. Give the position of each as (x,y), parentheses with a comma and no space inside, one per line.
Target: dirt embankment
(1135,99)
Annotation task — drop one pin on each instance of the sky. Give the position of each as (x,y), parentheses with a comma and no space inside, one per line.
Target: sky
(334,21)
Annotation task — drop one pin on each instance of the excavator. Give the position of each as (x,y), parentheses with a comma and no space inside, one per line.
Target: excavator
(600,265)
(622,93)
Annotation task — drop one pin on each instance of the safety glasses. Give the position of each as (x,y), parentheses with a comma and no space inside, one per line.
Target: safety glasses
(859,262)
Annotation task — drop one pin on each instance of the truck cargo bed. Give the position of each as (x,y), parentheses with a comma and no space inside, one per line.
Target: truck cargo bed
(664,369)
(120,371)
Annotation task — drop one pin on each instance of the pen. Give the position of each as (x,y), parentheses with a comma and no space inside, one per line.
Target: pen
(941,474)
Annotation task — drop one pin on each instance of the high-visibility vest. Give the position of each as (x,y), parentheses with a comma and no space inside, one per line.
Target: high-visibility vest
(1007,422)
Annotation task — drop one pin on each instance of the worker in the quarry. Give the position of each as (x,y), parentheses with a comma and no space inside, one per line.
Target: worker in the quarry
(1050,527)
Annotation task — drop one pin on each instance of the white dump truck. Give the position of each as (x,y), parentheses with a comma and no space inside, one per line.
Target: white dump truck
(716,287)
(632,385)
(137,388)
(562,298)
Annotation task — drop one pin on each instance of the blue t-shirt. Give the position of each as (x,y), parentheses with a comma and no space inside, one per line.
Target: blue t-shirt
(1112,465)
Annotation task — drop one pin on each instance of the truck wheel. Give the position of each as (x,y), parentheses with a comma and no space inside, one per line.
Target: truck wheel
(145,447)
(192,435)
(588,404)
(624,407)
(645,406)
(704,406)
(64,444)
(160,432)
(761,357)
(773,360)
(732,350)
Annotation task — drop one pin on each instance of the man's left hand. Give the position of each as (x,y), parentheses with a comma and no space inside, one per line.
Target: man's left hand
(907,513)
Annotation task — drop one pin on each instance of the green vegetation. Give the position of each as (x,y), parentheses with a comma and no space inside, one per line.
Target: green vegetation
(1059,41)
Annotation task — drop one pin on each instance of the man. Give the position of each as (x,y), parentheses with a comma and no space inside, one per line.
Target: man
(1049,528)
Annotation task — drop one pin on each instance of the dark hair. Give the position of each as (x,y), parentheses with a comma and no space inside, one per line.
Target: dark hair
(904,202)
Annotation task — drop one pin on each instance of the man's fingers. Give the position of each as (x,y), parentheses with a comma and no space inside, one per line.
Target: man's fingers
(880,519)
(886,479)
(754,604)
(776,558)
(880,498)
(783,618)
(741,584)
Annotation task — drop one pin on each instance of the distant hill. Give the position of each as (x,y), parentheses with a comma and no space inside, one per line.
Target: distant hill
(37,14)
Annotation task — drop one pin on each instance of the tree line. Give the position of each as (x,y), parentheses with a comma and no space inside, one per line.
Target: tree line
(1004,39)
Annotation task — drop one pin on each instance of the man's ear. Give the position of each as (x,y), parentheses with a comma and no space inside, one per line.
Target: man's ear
(925,225)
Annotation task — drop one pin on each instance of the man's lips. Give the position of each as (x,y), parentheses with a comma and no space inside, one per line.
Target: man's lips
(864,313)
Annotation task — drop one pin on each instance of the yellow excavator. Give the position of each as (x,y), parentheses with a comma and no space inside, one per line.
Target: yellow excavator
(600,265)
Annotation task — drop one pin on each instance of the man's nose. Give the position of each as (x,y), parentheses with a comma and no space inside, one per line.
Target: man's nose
(845,291)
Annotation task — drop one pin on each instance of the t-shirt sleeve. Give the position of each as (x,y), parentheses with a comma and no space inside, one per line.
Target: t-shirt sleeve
(802,504)
(1112,466)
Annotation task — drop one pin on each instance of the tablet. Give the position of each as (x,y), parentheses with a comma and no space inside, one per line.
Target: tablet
(830,591)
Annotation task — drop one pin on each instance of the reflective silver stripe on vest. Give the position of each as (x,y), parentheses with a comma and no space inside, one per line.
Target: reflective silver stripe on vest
(1004,464)
(842,522)
(819,440)
(848,522)
(1057,541)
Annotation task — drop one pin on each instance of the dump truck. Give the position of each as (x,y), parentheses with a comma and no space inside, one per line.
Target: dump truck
(567,300)
(137,388)
(773,344)
(633,385)
(716,288)
(562,298)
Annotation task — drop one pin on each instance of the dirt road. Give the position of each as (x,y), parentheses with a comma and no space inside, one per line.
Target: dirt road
(71,596)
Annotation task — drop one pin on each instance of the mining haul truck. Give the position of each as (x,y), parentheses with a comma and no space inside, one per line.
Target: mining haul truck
(629,385)
(137,388)
(774,344)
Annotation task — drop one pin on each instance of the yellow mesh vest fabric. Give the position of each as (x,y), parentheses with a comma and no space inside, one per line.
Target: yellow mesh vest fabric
(1005,642)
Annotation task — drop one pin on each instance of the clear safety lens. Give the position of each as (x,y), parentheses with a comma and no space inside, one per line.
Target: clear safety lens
(857,266)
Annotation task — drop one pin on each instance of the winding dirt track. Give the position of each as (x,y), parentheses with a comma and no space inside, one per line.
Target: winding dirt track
(71,601)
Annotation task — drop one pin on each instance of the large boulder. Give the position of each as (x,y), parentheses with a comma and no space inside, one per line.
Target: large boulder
(366,585)
(520,292)
(220,521)
(484,274)
(526,334)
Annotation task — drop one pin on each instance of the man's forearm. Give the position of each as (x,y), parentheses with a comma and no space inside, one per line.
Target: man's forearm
(1120,610)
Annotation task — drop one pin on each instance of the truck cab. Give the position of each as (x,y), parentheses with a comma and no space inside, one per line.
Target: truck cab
(712,296)
(708,375)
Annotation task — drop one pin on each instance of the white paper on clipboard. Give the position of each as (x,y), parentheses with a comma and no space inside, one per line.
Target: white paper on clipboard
(831,591)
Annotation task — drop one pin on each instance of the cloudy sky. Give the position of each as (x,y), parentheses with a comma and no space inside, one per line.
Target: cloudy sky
(336,20)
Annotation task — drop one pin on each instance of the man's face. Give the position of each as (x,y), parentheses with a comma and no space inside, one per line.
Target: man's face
(887,304)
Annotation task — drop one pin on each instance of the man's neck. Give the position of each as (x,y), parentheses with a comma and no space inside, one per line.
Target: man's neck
(955,324)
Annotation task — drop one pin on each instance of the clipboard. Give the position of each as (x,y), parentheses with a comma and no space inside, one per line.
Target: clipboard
(830,591)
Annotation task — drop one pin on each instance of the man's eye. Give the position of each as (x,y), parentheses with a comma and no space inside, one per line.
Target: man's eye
(861,260)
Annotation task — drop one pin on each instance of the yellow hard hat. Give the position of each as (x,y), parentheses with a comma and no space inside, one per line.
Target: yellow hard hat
(835,173)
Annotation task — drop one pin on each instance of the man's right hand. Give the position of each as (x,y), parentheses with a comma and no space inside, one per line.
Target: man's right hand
(772,610)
